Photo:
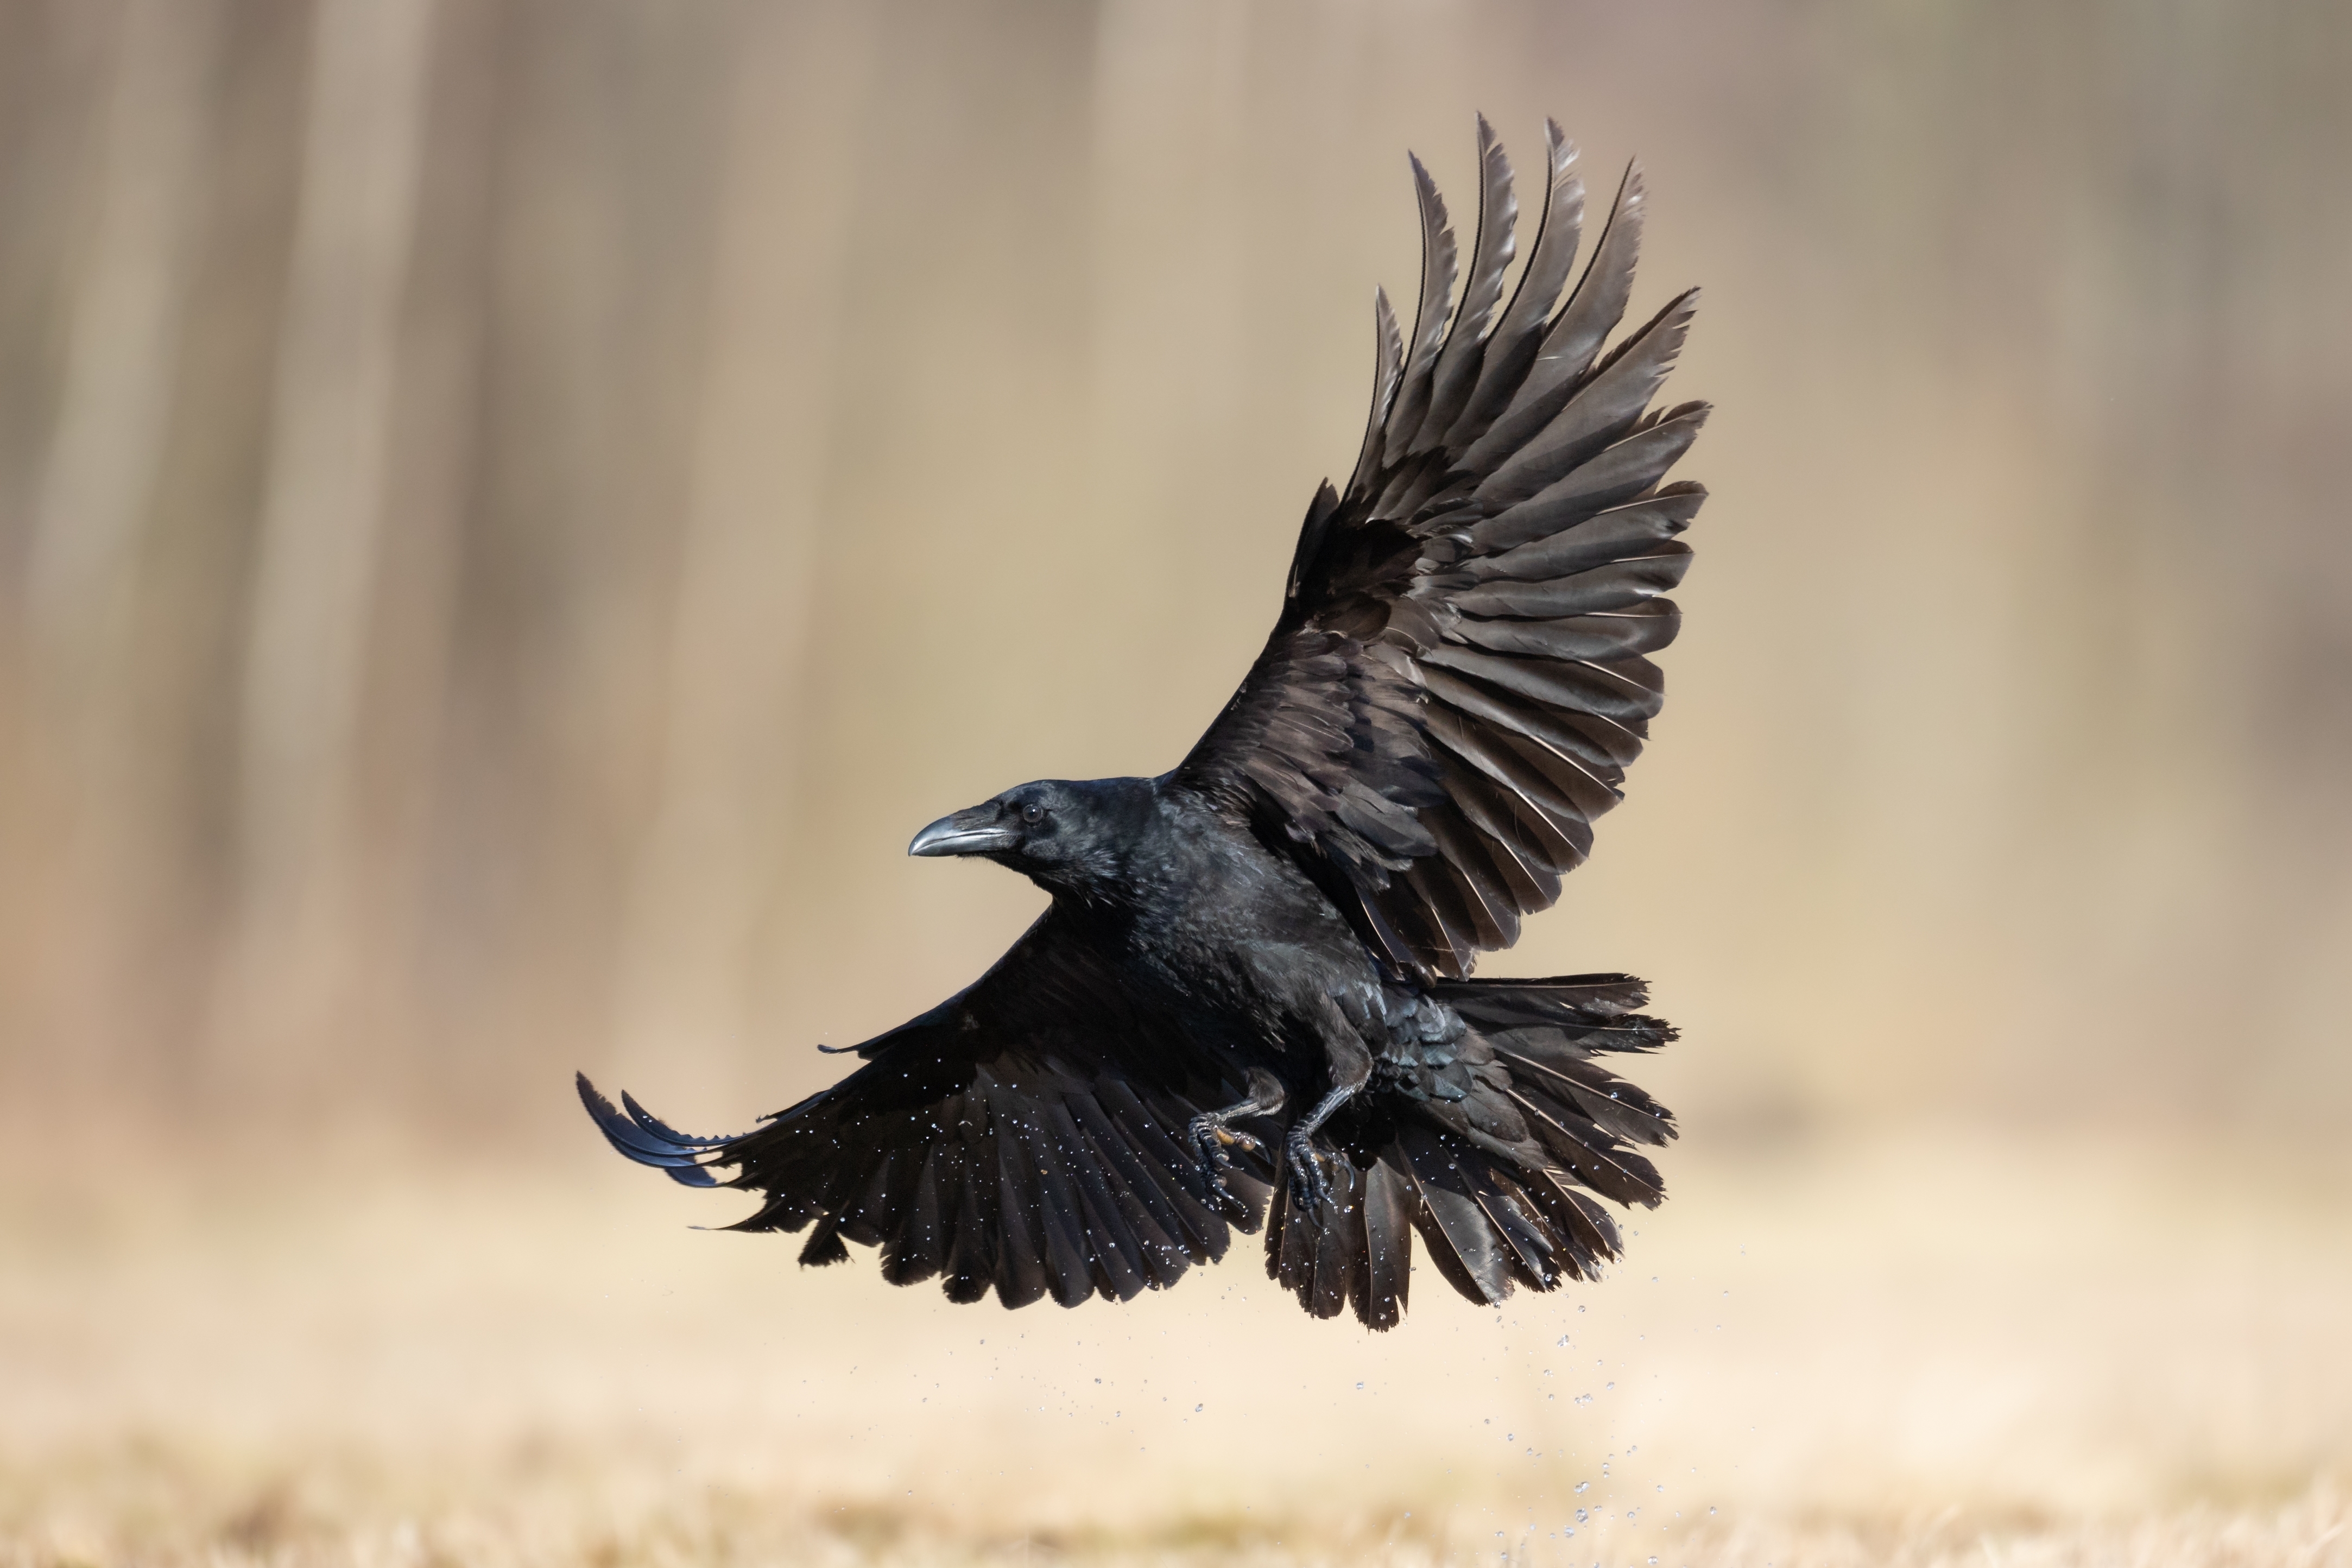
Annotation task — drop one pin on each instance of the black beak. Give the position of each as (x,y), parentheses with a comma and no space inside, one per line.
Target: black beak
(974,832)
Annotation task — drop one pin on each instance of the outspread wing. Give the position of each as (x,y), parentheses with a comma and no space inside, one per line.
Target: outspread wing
(1460,674)
(1024,1136)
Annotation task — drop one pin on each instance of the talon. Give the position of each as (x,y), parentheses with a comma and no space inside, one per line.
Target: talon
(1310,1183)
(1211,1140)
(1200,1137)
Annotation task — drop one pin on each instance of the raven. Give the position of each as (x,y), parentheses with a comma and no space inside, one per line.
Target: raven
(1251,996)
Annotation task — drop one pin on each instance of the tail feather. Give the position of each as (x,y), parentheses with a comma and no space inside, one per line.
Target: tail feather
(1494,1154)
(1602,1096)
(1531,1251)
(1385,1275)
(1591,1234)
(1461,1243)
(1309,1255)
(1591,1156)
(1339,1246)
(1583,1001)
(1289,1243)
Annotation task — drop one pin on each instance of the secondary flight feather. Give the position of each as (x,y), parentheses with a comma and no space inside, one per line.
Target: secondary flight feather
(1250,1001)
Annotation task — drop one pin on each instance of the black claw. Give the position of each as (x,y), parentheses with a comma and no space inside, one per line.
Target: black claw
(1200,1134)
(1197,1137)
(1310,1184)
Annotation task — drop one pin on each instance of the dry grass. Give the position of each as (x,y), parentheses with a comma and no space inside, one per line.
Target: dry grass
(1933,1352)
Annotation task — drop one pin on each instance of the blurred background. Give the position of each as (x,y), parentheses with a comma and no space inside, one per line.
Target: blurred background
(512,511)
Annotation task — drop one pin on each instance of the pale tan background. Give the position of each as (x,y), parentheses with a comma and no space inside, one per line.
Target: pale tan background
(512,511)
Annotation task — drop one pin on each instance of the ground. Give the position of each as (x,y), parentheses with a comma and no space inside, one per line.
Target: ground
(1916,1350)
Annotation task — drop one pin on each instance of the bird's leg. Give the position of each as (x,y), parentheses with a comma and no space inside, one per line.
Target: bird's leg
(1211,1133)
(1352,1068)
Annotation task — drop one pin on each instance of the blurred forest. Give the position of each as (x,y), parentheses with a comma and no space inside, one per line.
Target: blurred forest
(512,511)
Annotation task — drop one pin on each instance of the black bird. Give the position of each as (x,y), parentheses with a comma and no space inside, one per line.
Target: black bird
(1253,985)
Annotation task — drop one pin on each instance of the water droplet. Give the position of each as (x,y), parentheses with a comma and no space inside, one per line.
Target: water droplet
(1561,1341)
(1196,1409)
(1582,1484)
(1360,1385)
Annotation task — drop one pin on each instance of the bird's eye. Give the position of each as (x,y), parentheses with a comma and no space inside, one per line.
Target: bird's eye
(1033,813)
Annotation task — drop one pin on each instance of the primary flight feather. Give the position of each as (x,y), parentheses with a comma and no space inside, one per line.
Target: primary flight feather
(1250,998)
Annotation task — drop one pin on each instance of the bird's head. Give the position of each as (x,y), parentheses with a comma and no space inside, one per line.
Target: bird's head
(1073,837)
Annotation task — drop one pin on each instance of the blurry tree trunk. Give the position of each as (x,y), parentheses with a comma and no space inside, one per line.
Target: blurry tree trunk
(122,292)
(1170,119)
(123,337)
(433,496)
(760,462)
(319,530)
(607,126)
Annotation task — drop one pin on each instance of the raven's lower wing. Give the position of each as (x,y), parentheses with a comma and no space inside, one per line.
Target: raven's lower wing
(1458,678)
(1027,1135)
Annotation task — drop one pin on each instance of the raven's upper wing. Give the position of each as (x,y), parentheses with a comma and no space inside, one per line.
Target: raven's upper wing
(1025,1135)
(1456,682)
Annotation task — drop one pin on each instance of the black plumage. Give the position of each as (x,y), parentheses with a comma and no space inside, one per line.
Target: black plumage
(1250,996)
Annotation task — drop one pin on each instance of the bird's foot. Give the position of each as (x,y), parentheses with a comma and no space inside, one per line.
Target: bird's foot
(1214,1138)
(1310,1172)
(1212,1141)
